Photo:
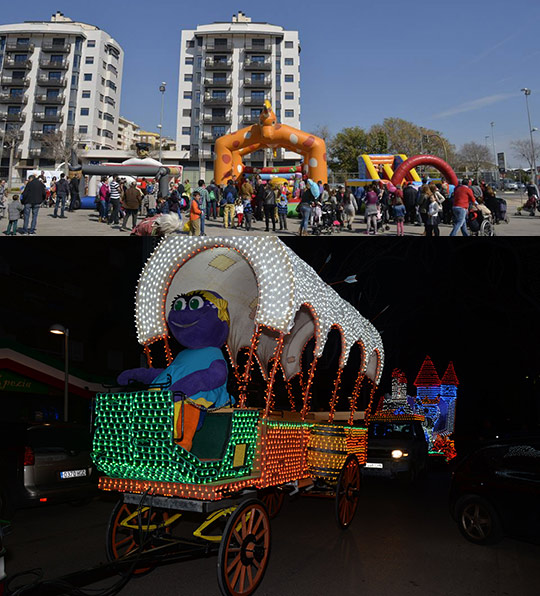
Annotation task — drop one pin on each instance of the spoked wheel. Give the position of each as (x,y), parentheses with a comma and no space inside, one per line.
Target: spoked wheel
(122,541)
(244,550)
(347,492)
(478,521)
(272,499)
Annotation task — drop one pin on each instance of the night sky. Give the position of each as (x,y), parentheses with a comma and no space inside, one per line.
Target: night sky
(474,301)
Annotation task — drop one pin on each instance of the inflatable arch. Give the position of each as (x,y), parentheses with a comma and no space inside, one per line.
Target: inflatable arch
(424,160)
(268,134)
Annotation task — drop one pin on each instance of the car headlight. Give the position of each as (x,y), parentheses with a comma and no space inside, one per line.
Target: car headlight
(398,454)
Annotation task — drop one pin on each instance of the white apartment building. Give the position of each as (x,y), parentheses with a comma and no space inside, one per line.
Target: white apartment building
(227,71)
(58,76)
(128,134)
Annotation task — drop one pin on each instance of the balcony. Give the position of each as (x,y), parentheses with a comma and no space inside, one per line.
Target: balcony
(211,46)
(38,135)
(256,101)
(6,80)
(61,48)
(13,117)
(13,46)
(249,120)
(213,64)
(59,100)
(257,65)
(210,137)
(54,64)
(35,152)
(42,117)
(224,119)
(225,100)
(13,99)
(226,82)
(44,81)
(260,83)
(12,63)
(265,48)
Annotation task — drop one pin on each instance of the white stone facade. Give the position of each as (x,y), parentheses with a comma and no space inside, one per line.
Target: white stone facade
(227,70)
(58,74)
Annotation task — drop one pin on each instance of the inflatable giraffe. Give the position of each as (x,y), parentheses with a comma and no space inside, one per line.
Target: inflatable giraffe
(268,133)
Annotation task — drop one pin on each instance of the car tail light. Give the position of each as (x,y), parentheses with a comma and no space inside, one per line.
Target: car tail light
(43,500)
(29,457)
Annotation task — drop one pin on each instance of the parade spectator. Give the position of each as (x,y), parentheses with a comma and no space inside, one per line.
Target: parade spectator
(304,209)
(132,202)
(432,220)
(75,202)
(259,200)
(349,208)
(104,196)
(115,196)
(62,193)
(248,214)
(283,208)
(239,211)
(399,215)
(195,212)
(213,198)
(203,201)
(463,198)
(230,194)
(33,195)
(409,199)
(372,201)
(14,213)
(270,202)
(52,192)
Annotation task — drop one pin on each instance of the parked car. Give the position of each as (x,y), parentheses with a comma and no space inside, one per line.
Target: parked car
(44,463)
(396,449)
(510,185)
(496,491)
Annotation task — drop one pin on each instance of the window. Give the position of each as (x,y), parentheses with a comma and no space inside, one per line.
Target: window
(23,41)
(289,61)
(218,131)
(107,133)
(49,129)
(219,94)
(58,41)
(255,113)
(91,43)
(199,61)
(219,77)
(101,97)
(103,80)
(86,94)
(190,43)
(16,92)
(51,111)
(89,60)
(258,59)
(186,130)
(257,42)
(198,97)
(257,95)
(188,78)
(88,77)
(189,60)
(108,117)
(53,93)
(218,112)
(21,57)
(187,94)
(289,78)
(85,111)
(289,44)
(186,113)
(55,76)
(112,69)
(186,147)
(257,76)
(14,110)
(111,85)
(110,101)
(76,61)
(220,42)
(18,75)
(83,130)
(289,95)
(57,59)
(289,113)
(114,52)
(73,80)
(98,132)
(100,114)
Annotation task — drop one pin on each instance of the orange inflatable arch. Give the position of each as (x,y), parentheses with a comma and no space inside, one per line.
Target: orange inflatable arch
(269,134)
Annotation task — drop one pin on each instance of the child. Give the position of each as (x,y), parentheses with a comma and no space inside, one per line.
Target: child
(248,213)
(14,213)
(283,208)
(399,215)
(239,211)
(432,222)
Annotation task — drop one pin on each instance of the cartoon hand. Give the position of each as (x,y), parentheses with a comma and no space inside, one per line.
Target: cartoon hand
(143,375)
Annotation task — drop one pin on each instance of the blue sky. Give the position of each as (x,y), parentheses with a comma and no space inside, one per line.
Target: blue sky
(453,66)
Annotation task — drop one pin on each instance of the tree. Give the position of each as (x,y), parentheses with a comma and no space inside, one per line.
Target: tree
(11,136)
(347,146)
(522,150)
(475,157)
(62,147)
(323,132)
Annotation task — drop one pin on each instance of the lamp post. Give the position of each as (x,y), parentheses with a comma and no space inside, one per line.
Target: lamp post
(61,330)
(527,92)
(162,89)
(494,154)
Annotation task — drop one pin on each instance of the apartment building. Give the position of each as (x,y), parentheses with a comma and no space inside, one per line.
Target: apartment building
(227,71)
(128,134)
(58,76)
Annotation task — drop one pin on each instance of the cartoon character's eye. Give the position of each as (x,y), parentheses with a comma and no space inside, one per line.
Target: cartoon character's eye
(180,304)
(195,303)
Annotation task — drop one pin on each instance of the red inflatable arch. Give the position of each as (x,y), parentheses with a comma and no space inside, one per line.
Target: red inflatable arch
(424,160)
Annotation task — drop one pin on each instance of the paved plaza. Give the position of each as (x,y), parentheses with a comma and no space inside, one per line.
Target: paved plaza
(85,223)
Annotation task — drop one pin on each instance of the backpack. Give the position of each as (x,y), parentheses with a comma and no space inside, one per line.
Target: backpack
(229,198)
(211,195)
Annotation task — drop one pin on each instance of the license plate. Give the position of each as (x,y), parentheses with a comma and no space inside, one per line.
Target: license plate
(73,474)
(373,465)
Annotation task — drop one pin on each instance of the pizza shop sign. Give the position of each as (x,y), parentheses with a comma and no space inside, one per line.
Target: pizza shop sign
(12,382)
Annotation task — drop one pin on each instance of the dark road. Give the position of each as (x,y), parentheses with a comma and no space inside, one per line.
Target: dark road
(402,542)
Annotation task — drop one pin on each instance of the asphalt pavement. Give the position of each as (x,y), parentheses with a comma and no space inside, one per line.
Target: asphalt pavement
(84,222)
(402,542)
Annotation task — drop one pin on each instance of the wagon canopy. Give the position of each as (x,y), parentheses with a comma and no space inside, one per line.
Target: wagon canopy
(266,285)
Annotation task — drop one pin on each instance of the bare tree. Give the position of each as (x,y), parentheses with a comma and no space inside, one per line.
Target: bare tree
(62,147)
(475,157)
(10,139)
(522,150)
(323,132)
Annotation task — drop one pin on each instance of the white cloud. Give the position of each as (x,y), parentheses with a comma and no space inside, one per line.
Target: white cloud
(475,104)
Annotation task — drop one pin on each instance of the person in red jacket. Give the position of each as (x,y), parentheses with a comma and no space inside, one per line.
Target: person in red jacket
(195,215)
(463,197)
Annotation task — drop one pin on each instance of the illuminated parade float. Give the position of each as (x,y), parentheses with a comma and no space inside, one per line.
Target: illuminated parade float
(174,442)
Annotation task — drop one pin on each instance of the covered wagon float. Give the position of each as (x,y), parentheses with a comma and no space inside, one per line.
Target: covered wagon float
(180,446)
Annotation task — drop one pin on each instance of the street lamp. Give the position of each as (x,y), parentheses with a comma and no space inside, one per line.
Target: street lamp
(494,154)
(527,92)
(162,89)
(61,330)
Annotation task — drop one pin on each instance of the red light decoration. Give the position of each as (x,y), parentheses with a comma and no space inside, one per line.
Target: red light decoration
(247,371)
(333,401)
(427,375)
(307,391)
(270,385)
(450,377)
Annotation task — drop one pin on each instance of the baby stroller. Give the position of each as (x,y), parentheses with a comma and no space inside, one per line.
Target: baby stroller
(479,224)
(530,206)
(326,223)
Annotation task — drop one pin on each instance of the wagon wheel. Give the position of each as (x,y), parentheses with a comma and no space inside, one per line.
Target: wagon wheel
(347,492)
(121,541)
(273,499)
(244,550)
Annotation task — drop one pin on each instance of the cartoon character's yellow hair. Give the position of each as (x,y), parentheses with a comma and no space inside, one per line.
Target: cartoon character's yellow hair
(221,304)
